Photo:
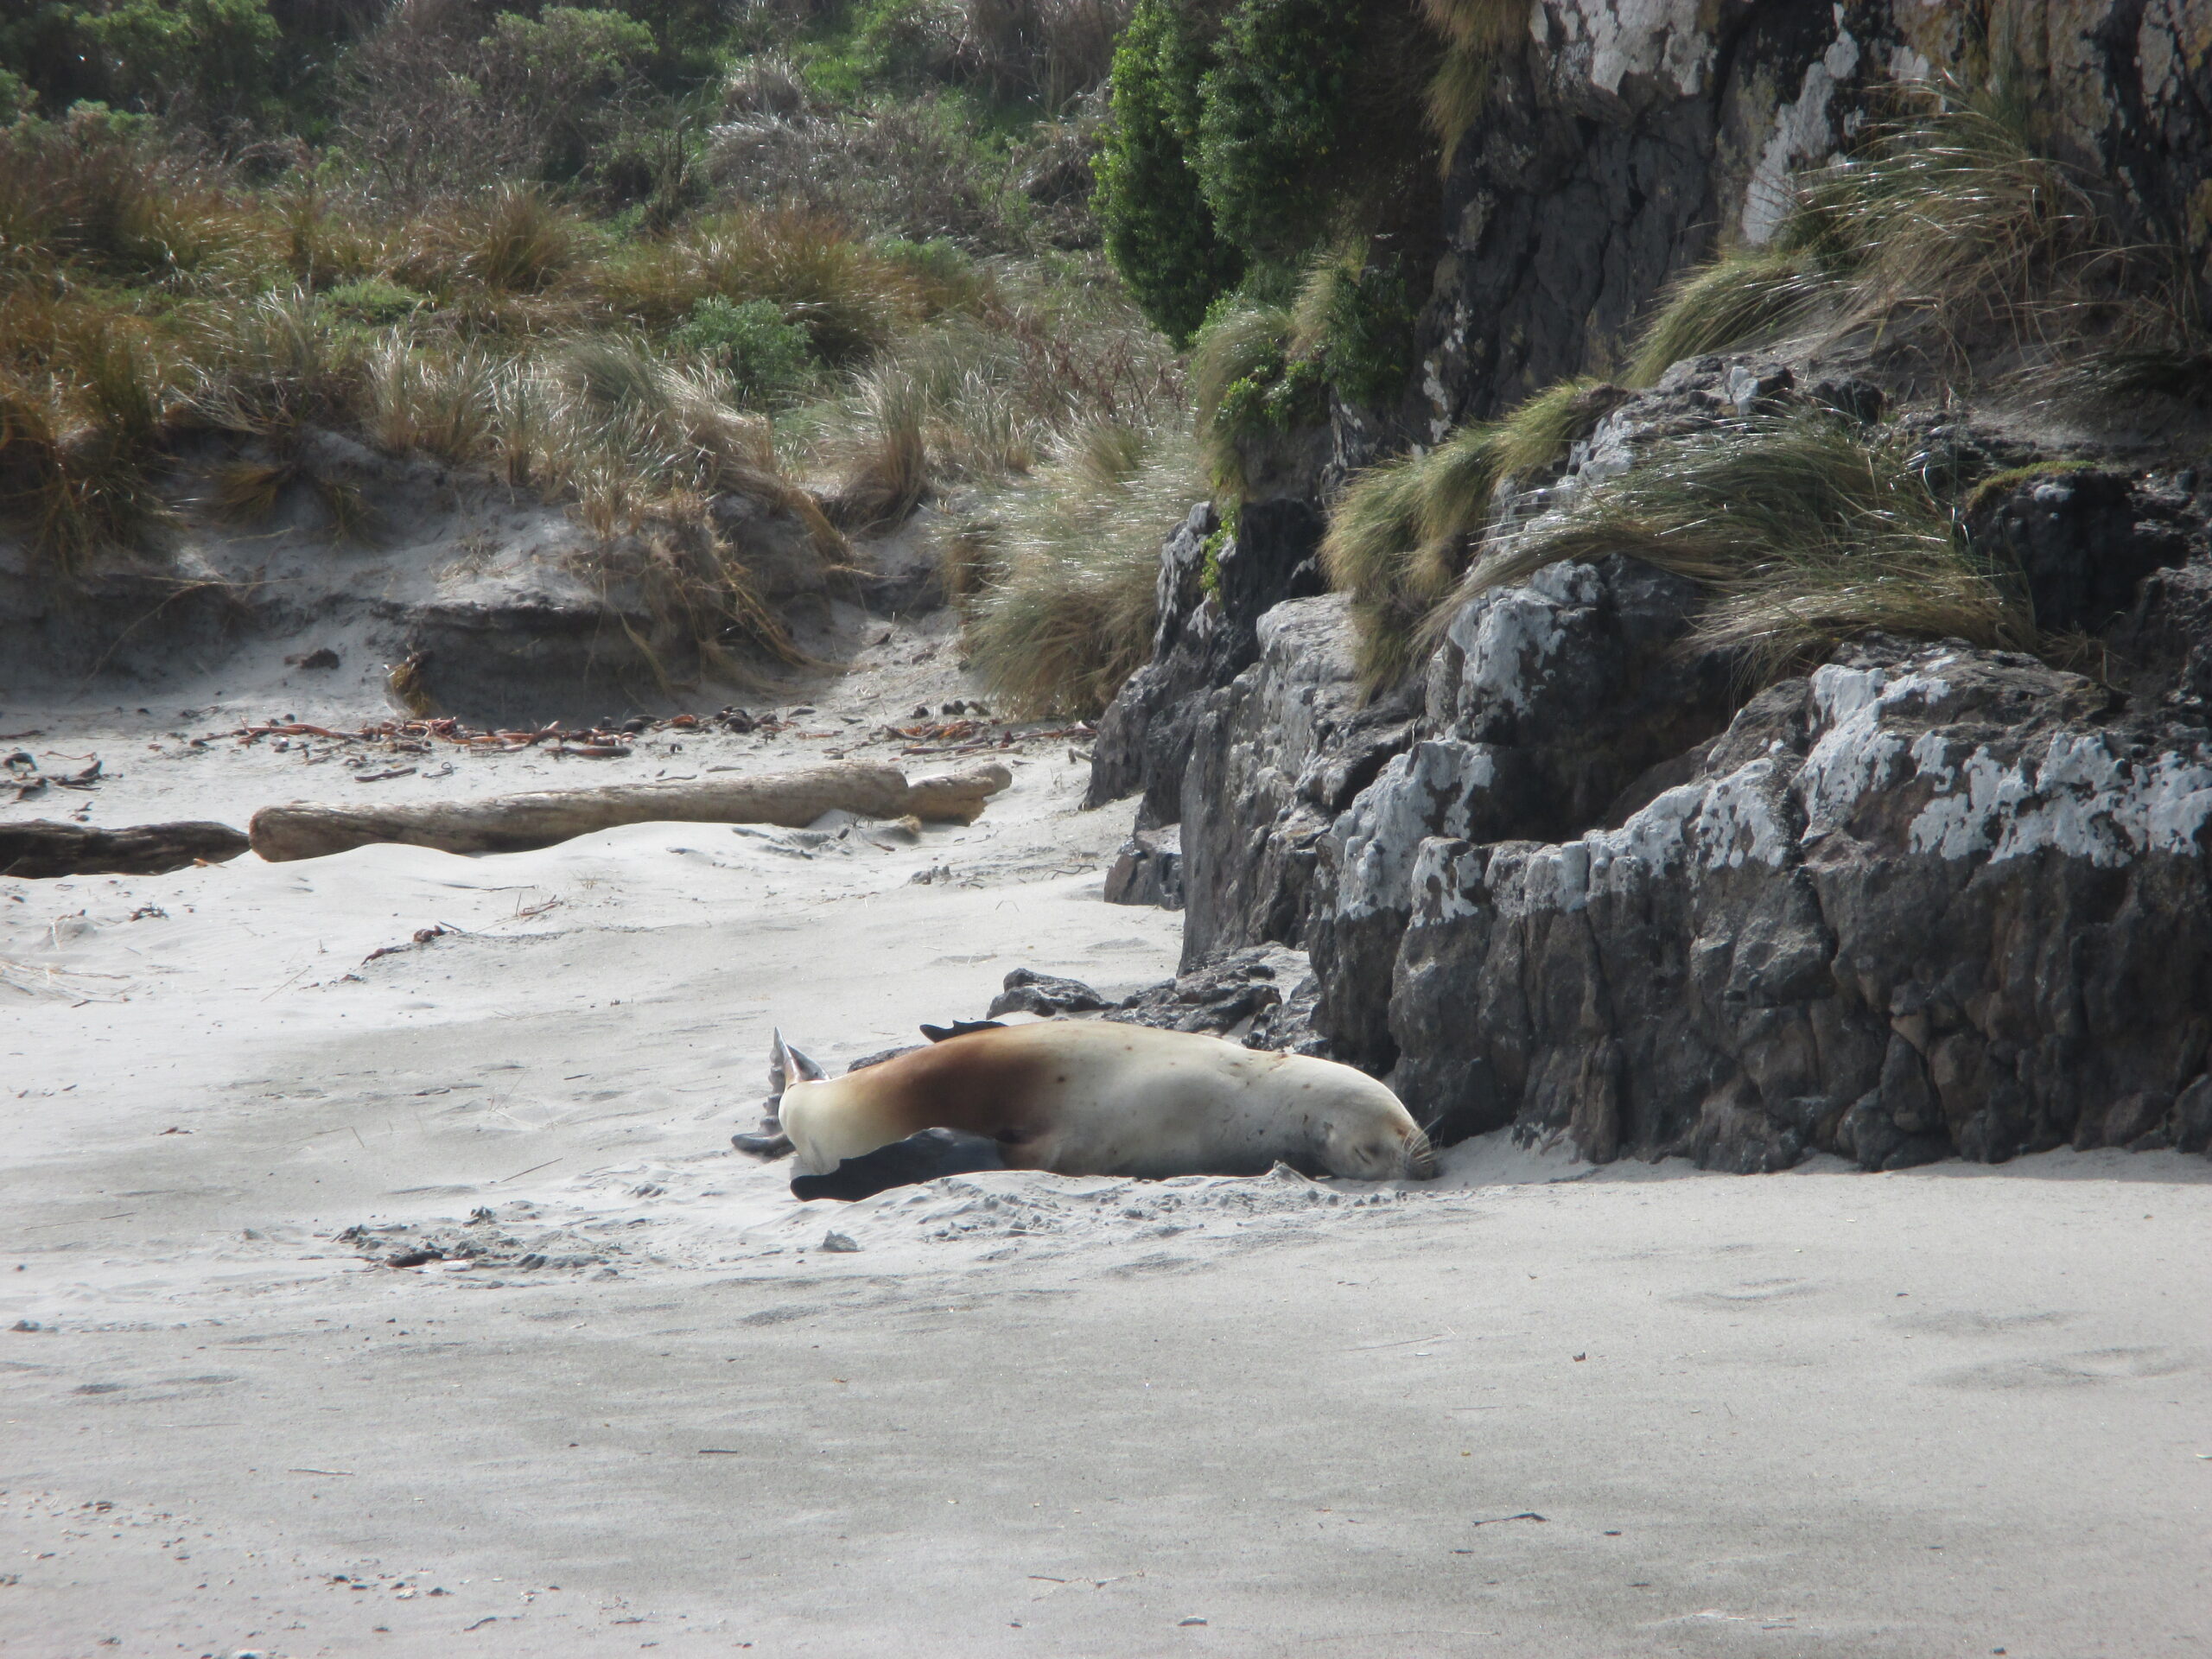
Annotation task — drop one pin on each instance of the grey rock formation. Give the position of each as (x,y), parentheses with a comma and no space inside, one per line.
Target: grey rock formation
(1203,641)
(2084,540)
(1623,142)
(1276,756)
(1148,869)
(1028,991)
(1906,908)
(1550,708)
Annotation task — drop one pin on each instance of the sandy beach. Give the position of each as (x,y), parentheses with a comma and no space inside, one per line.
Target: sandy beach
(1535,1407)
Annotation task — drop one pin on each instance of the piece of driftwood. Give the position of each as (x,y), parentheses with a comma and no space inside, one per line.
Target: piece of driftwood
(515,824)
(43,847)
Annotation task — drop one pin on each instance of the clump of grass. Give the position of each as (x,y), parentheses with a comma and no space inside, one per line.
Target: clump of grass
(78,443)
(1069,611)
(1476,34)
(268,371)
(1747,296)
(1947,232)
(1249,384)
(851,299)
(1399,539)
(1807,532)
(440,405)
(974,401)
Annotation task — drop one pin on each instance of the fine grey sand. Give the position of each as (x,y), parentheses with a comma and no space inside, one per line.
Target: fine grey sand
(1532,1408)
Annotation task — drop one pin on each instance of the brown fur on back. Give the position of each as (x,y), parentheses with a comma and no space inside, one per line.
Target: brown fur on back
(986,1083)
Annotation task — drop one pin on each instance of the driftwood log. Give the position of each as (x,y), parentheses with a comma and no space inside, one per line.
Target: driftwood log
(516,824)
(43,847)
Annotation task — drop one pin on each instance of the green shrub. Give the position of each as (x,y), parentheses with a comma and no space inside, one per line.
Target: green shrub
(1356,317)
(1271,129)
(767,360)
(204,57)
(373,302)
(557,74)
(1249,385)
(17,97)
(1158,230)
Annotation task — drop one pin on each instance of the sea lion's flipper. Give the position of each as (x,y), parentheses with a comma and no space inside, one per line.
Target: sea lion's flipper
(786,1066)
(768,1145)
(922,1157)
(961,1028)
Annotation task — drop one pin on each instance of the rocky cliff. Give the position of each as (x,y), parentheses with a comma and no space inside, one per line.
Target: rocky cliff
(1588,873)
(1628,138)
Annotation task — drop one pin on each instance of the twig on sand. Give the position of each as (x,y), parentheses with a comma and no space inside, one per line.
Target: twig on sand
(519,1173)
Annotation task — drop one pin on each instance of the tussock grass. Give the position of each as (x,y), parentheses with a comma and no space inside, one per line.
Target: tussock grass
(1947,233)
(1398,541)
(1746,296)
(1476,35)
(1070,611)
(1807,532)
(974,401)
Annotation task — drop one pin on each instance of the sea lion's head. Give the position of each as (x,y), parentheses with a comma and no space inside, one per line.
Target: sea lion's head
(1378,1147)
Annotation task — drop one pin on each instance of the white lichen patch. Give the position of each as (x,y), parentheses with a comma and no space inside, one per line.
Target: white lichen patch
(2076,796)
(1429,791)
(1507,637)
(1802,133)
(1609,41)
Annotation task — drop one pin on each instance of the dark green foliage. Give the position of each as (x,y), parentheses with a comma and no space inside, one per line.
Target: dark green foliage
(16,98)
(209,57)
(558,73)
(1279,395)
(1366,329)
(1159,231)
(769,360)
(1272,124)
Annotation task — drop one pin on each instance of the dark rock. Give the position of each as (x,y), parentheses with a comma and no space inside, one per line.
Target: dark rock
(2083,540)
(1028,991)
(1203,640)
(2193,1116)
(1287,1027)
(1148,869)
(1620,145)
(1215,997)
(1277,756)
(1550,701)
(1926,881)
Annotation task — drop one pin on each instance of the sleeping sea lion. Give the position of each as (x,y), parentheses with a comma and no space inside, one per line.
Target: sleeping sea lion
(1085,1097)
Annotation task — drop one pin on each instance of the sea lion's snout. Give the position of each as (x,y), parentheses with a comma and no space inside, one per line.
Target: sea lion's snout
(1420,1159)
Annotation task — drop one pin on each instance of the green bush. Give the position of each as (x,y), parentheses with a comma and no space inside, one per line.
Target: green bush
(1272,126)
(1357,318)
(1158,230)
(557,74)
(16,98)
(208,57)
(767,358)
(374,302)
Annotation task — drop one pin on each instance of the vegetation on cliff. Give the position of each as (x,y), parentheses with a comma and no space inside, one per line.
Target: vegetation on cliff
(1949,246)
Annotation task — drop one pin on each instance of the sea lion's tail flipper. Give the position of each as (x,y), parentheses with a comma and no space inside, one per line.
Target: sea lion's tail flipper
(961,1028)
(786,1066)
(922,1157)
(771,1143)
